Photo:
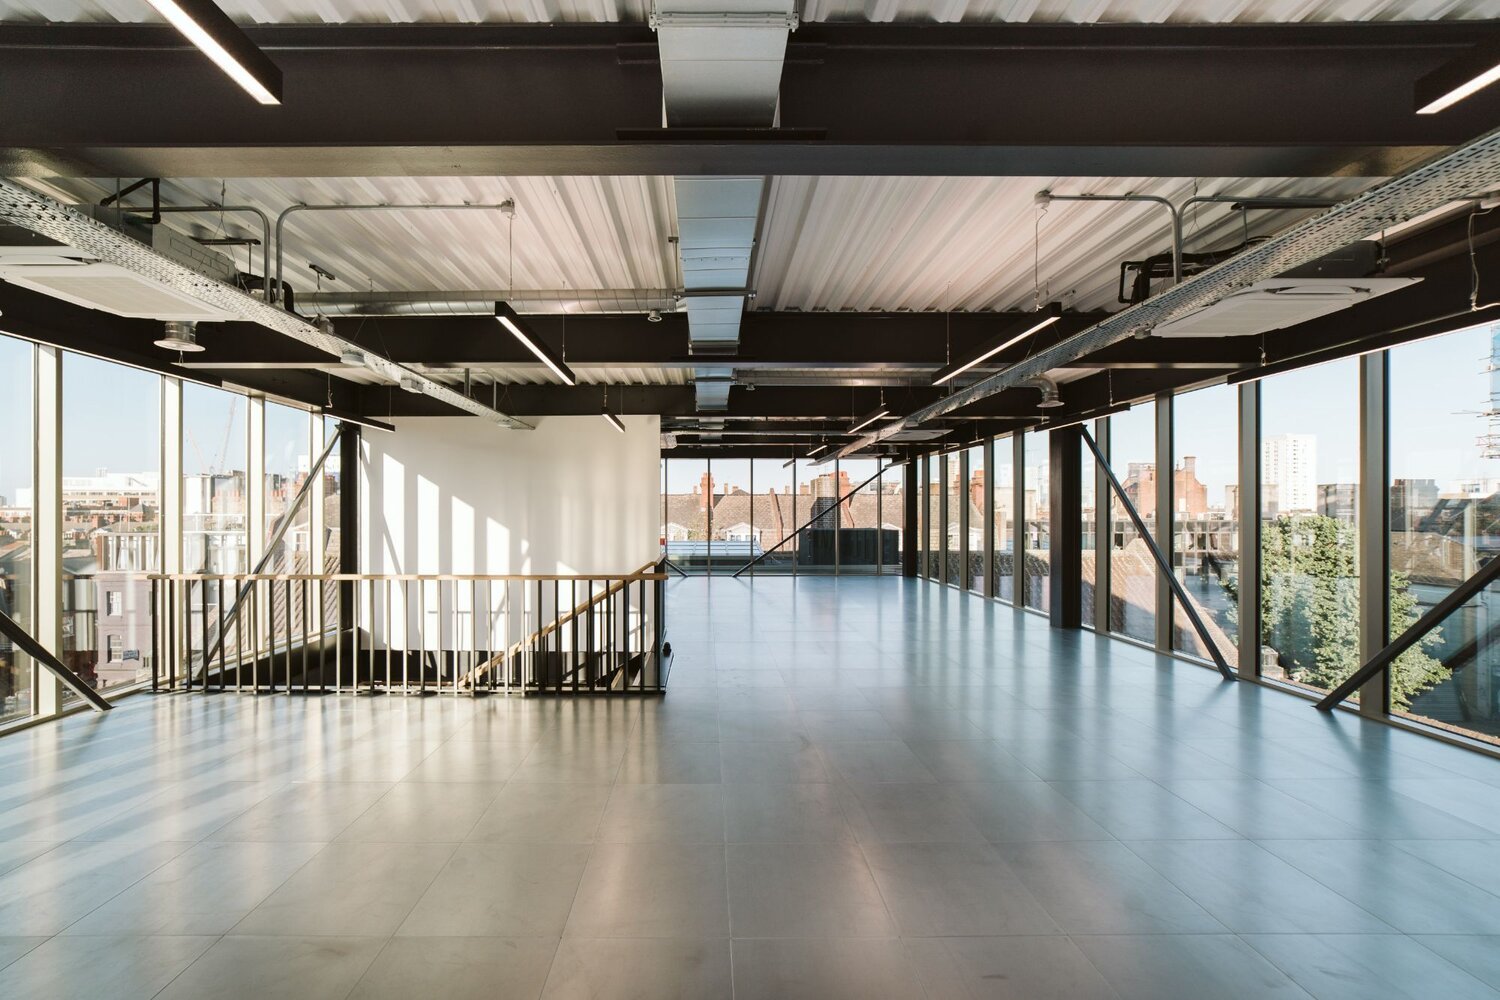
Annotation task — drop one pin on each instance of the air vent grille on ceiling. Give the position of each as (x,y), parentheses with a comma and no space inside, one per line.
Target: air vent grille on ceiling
(112,289)
(1279,303)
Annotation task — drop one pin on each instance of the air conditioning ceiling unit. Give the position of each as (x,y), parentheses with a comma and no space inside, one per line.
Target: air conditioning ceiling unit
(63,272)
(1277,303)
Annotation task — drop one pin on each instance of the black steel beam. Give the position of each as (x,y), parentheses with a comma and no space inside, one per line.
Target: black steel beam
(368,100)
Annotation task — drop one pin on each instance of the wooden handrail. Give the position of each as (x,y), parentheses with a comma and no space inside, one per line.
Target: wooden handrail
(411,577)
(620,583)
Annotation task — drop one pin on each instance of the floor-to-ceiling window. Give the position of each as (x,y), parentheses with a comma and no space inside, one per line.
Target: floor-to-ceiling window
(893,526)
(859,517)
(932,505)
(17,515)
(1444,525)
(332,498)
(1205,511)
(111,497)
(1036,541)
(1003,570)
(953,501)
(1087,516)
(774,515)
(971,503)
(1309,515)
(289,457)
(731,540)
(689,499)
(1132,570)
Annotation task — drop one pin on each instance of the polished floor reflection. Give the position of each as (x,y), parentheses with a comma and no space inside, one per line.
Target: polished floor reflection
(857,788)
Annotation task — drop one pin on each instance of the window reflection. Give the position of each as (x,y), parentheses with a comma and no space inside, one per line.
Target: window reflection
(1037,541)
(1132,568)
(17,502)
(1205,510)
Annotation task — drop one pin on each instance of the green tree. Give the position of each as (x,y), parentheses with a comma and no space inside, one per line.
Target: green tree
(1310,608)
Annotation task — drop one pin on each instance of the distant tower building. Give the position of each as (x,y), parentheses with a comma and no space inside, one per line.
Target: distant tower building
(1489,443)
(1289,462)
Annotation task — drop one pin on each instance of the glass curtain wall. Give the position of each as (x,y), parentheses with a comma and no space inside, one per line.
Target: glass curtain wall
(111,499)
(774,513)
(17,514)
(1036,545)
(892,509)
(1132,571)
(953,500)
(817,498)
(689,495)
(1087,516)
(288,459)
(731,540)
(333,488)
(972,503)
(1003,570)
(1309,506)
(932,506)
(1205,511)
(861,541)
(1445,526)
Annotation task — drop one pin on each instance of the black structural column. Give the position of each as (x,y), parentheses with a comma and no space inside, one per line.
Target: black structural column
(910,527)
(349,436)
(1066,527)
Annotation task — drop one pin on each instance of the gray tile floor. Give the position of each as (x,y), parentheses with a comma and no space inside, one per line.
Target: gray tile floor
(856,788)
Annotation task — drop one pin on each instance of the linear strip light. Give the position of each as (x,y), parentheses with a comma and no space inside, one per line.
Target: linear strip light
(615,422)
(1459,78)
(512,322)
(868,419)
(216,36)
(817,451)
(994,347)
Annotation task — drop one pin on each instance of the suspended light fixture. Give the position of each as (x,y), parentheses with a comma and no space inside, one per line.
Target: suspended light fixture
(512,322)
(869,418)
(818,450)
(181,335)
(610,418)
(1046,318)
(1464,76)
(216,36)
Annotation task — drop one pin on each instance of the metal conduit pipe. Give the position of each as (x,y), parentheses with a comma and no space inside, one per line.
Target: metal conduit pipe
(504,206)
(265,229)
(1045,197)
(482,302)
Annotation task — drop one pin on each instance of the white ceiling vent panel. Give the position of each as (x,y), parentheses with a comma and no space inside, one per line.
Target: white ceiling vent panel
(1279,303)
(109,288)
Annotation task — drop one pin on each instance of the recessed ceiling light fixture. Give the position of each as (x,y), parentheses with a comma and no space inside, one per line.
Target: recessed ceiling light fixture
(1046,318)
(512,322)
(216,36)
(1461,77)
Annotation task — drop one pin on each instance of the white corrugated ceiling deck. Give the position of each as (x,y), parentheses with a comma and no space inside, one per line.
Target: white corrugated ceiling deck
(603,11)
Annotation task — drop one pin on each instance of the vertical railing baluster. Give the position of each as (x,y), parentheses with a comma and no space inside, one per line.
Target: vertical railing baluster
(218,600)
(155,633)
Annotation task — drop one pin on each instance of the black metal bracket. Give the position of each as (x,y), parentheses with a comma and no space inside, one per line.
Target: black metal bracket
(1457,598)
(13,631)
(155,183)
(1164,567)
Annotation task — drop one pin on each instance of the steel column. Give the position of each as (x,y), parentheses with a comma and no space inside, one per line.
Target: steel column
(989,517)
(1374,526)
(1249,531)
(1166,522)
(1103,534)
(1065,506)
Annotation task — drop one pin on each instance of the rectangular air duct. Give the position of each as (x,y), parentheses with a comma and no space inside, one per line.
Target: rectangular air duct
(1278,303)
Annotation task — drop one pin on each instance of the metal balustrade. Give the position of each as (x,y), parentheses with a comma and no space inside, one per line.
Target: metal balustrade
(412,634)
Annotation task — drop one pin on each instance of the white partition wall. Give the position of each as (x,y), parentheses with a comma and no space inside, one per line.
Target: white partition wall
(457,495)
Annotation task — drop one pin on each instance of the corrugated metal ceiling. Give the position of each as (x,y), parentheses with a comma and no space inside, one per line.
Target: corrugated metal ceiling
(954,243)
(541,11)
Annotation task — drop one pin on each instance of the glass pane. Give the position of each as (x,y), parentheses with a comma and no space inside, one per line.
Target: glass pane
(111,488)
(953,525)
(731,543)
(817,499)
(1205,508)
(689,494)
(973,503)
(1003,568)
(934,508)
(1087,537)
(17,499)
(1132,570)
(332,498)
(1037,561)
(1309,486)
(892,518)
(859,516)
(1445,518)
(775,515)
(288,439)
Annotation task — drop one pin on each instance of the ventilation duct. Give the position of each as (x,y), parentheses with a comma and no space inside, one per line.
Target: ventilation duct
(1279,303)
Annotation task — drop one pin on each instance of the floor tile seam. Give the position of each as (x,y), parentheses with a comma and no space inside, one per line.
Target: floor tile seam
(1292,978)
(1274,857)
(184,846)
(198,958)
